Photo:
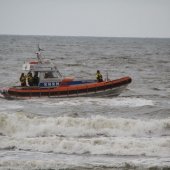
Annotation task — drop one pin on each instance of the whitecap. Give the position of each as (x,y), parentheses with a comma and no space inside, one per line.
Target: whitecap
(21,125)
(124,146)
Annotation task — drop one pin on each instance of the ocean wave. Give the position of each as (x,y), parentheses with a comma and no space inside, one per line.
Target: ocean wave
(22,125)
(111,102)
(124,146)
(9,106)
(84,163)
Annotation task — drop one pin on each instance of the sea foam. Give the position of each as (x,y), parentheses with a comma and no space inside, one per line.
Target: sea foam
(22,125)
(124,146)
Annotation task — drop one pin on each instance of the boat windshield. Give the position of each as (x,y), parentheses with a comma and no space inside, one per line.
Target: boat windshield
(51,75)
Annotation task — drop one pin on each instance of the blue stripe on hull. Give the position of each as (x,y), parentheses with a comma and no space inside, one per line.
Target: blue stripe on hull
(78,82)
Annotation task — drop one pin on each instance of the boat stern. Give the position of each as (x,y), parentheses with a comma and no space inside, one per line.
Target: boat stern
(4,93)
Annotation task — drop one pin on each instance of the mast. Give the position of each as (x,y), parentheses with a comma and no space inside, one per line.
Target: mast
(39,57)
(40,60)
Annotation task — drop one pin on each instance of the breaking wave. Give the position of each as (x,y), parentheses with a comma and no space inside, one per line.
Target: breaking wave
(22,125)
(124,146)
(47,162)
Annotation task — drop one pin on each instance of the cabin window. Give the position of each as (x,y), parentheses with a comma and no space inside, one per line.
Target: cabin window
(48,75)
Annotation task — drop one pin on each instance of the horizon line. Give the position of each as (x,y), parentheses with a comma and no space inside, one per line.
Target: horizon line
(88,36)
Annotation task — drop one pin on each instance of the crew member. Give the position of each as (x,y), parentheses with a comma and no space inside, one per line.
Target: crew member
(99,76)
(30,79)
(35,79)
(23,79)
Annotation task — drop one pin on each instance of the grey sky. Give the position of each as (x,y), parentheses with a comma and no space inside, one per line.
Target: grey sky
(112,18)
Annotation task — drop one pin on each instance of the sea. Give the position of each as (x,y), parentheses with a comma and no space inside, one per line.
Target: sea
(131,131)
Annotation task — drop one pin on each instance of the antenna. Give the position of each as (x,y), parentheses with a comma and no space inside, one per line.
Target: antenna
(39,49)
(39,53)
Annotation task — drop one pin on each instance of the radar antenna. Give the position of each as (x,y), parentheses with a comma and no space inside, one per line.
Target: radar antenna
(39,49)
(39,57)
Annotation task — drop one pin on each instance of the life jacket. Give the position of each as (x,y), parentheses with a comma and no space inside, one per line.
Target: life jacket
(99,77)
(23,79)
(30,78)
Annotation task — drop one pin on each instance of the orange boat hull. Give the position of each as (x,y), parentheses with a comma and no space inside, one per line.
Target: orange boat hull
(105,88)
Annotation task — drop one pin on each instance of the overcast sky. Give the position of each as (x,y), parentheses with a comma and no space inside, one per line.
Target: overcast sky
(109,18)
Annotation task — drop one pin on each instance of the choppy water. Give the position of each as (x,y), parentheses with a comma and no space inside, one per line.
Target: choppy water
(131,131)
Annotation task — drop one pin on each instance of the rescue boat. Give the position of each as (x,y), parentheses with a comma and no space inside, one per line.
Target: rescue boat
(51,83)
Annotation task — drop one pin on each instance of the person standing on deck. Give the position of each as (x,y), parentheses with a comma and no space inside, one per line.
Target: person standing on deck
(99,76)
(35,79)
(23,79)
(30,79)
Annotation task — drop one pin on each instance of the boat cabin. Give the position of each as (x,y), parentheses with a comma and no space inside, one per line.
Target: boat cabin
(47,73)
